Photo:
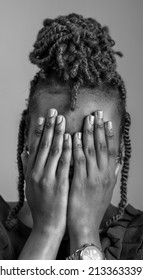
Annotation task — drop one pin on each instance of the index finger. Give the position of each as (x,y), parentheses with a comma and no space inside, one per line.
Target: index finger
(110,145)
(36,136)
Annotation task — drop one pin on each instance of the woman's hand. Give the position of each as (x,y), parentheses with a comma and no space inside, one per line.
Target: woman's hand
(93,181)
(46,175)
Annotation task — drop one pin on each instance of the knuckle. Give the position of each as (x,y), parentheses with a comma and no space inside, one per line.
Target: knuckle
(106,181)
(66,147)
(49,123)
(77,146)
(61,187)
(63,162)
(109,136)
(32,149)
(63,183)
(58,131)
(44,145)
(88,131)
(54,150)
(38,131)
(34,176)
(80,160)
(90,151)
(102,146)
(112,152)
(43,184)
(109,133)
(99,124)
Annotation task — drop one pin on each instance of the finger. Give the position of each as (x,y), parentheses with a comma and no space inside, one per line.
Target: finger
(117,170)
(64,161)
(100,141)
(36,136)
(24,159)
(88,144)
(56,148)
(111,150)
(46,141)
(79,156)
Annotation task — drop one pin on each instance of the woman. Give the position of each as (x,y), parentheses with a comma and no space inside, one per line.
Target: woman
(73,139)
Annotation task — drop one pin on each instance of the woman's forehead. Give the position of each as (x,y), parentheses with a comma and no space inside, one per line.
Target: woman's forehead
(60,99)
(86,104)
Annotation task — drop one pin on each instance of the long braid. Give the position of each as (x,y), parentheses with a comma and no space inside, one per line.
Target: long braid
(124,175)
(11,220)
(126,164)
(80,52)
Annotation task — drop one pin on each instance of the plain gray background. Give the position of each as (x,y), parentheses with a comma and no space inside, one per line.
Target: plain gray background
(19,23)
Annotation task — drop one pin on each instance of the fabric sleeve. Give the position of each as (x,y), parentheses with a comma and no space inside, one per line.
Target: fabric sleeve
(124,239)
(6,252)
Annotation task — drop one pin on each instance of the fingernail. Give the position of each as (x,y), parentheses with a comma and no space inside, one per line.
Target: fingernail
(59,119)
(79,135)
(99,114)
(99,118)
(109,125)
(91,119)
(109,129)
(66,136)
(40,120)
(52,113)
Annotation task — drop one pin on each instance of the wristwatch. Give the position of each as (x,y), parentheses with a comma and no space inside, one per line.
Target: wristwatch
(88,252)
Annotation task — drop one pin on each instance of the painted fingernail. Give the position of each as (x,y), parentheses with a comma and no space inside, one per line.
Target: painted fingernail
(99,118)
(52,112)
(78,140)
(40,120)
(109,129)
(109,125)
(67,141)
(59,119)
(99,114)
(79,135)
(66,136)
(91,119)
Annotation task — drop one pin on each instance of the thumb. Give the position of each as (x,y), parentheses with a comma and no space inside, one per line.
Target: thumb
(24,159)
(117,169)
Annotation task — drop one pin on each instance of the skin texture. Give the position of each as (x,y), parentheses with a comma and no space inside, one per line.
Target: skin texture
(86,104)
(55,200)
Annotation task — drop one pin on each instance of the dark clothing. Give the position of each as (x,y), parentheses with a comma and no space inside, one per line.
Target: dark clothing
(122,240)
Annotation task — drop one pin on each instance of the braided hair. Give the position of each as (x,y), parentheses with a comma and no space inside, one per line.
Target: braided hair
(79,51)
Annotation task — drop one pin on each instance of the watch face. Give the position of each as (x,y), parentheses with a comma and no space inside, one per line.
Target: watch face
(91,253)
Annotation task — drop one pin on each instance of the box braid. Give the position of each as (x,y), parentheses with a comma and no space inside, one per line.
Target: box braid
(79,51)
(11,219)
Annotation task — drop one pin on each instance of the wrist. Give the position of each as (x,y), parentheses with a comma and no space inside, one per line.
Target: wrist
(48,232)
(77,241)
(42,245)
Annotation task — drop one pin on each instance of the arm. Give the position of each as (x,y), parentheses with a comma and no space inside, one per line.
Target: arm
(41,246)
(47,187)
(95,175)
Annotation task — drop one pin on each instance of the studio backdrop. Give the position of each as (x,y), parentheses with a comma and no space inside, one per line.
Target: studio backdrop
(19,23)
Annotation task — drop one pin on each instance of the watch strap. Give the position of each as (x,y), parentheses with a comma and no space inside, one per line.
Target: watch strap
(76,255)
